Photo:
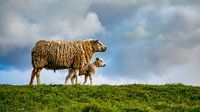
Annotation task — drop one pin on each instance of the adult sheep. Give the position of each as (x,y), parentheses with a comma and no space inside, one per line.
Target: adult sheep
(61,54)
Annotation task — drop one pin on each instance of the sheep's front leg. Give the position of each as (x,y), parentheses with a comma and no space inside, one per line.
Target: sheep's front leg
(86,78)
(70,75)
(76,75)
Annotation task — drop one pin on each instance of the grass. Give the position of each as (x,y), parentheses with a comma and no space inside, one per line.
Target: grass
(104,98)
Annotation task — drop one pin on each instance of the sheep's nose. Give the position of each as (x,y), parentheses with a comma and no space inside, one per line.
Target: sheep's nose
(105,48)
(104,65)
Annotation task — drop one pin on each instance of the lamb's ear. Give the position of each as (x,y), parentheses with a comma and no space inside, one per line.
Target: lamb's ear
(97,58)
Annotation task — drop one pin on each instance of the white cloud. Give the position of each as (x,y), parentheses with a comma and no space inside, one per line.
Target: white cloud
(18,32)
(137,34)
(87,26)
(25,22)
(14,77)
(174,76)
(23,77)
(158,80)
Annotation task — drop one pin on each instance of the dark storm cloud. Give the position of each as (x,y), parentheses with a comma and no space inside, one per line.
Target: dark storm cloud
(19,58)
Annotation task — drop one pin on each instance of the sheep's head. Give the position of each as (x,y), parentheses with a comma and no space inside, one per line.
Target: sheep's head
(97,46)
(99,62)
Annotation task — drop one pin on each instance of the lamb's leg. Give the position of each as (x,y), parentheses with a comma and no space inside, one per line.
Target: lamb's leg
(69,76)
(76,75)
(86,78)
(38,75)
(90,76)
(72,79)
(32,76)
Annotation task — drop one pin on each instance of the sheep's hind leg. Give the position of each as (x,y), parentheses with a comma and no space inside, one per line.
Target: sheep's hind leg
(32,76)
(76,75)
(86,78)
(38,75)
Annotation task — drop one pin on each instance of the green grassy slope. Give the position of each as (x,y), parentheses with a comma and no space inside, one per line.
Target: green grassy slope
(103,98)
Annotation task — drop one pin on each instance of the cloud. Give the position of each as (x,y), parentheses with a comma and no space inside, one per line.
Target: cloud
(86,27)
(112,12)
(172,77)
(172,43)
(172,30)
(18,33)
(25,22)
(137,34)
(148,41)
(16,76)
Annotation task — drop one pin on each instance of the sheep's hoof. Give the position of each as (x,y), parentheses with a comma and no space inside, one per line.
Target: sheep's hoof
(66,84)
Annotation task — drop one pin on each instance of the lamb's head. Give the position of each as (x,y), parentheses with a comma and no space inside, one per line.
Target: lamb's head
(99,62)
(97,46)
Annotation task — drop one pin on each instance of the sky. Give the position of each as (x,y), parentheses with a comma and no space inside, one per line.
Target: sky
(148,41)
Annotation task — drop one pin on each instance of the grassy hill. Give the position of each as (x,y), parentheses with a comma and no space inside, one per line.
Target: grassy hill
(104,98)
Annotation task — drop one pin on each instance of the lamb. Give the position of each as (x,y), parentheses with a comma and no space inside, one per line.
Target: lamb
(88,70)
(62,54)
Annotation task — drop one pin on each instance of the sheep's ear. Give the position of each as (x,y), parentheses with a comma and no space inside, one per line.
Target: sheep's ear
(97,58)
(97,40)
